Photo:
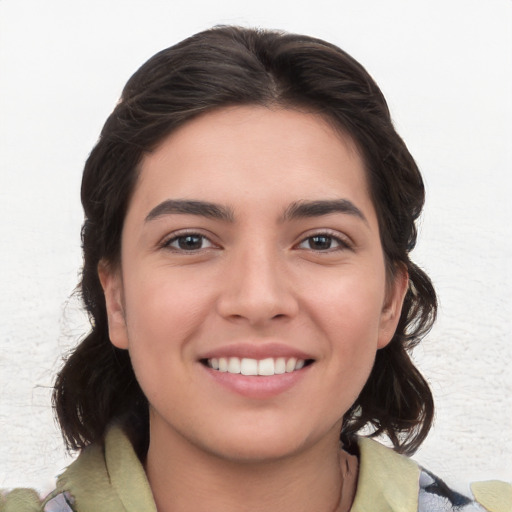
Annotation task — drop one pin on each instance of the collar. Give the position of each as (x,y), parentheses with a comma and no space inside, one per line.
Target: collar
(387,481)
(114,479)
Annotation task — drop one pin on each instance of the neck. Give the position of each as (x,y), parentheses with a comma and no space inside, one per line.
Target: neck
(185,478)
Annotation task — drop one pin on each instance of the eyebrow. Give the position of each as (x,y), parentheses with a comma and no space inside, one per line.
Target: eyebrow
(296,210)
(301,209)
(191,207)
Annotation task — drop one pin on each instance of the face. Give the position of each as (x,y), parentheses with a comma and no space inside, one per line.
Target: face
(252,293)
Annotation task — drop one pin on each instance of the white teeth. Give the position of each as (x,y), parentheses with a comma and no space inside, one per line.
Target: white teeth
(280,366)
(249,367)
(234,365)
(264,367)
(290,364)
(223,364)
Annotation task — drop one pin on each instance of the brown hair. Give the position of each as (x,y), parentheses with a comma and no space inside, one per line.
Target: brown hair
(235,66)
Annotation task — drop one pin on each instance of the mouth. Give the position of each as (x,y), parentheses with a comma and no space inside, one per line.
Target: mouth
(257,367)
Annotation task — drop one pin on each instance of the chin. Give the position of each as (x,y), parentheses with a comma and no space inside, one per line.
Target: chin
(255,451)
(257,444)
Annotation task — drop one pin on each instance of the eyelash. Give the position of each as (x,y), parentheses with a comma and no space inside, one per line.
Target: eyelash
(327,237)
(167,244)
(342,244)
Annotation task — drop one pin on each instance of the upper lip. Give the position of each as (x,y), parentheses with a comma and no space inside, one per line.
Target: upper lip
(256,351)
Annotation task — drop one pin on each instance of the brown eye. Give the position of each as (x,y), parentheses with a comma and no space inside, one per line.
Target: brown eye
(320,242)
(323,242)
(189,242)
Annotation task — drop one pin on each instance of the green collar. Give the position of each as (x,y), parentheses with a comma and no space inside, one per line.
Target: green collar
(115,480)
(387,481)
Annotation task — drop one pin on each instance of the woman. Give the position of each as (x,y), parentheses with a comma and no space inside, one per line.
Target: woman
(249,212)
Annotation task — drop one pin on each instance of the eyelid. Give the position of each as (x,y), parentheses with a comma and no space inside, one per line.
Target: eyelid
(344,241)
(175,235)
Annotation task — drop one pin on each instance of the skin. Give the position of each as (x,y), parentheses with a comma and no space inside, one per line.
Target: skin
(256,279)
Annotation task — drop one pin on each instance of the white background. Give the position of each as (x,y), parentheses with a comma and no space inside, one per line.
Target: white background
(445,67)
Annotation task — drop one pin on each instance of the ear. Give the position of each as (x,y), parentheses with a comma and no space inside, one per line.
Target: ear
(112,284)
(392,309)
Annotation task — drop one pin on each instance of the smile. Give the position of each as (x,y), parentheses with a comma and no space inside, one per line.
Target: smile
(261,367)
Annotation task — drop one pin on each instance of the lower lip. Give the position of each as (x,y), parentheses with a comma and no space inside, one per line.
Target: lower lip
(258,387)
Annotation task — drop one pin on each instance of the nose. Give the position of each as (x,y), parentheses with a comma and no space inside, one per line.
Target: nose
(257,289)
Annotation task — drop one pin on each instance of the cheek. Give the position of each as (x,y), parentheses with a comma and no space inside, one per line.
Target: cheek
(157,300)
(349,313)
(162,316)
(351,303)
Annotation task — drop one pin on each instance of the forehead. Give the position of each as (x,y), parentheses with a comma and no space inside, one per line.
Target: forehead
(253,155)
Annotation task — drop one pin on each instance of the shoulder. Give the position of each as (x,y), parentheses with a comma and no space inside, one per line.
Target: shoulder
(27,500)
(113,480)
(390,482)
(109,478)
(435,494)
